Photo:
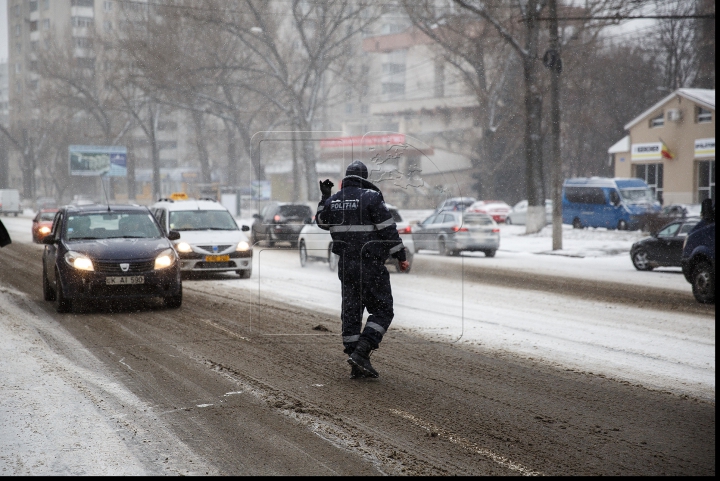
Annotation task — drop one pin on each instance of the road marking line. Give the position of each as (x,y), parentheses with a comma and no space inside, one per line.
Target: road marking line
(227,331)
(467,444)
(124,364)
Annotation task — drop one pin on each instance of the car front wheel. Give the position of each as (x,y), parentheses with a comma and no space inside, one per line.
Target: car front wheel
(640,261)
(622,225)
(64,304)
(576,223)
(48,292)
(508,221)
(303,254)
(173,302)
(703,285)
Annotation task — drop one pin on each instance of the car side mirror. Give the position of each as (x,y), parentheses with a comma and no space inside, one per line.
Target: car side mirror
(257,216)
(245,228)
(173,235)
(48,240)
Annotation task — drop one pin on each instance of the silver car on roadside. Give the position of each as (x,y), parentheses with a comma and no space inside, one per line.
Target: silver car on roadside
(452,232)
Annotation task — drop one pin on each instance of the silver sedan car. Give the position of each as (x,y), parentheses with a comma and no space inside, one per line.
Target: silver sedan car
(452,232)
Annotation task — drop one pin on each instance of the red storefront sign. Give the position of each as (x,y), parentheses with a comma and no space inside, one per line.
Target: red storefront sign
(363,141)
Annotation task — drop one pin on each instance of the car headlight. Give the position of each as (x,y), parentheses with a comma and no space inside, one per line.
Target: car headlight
(183,247)
(165,259)
(79,261)
(44,229)
(242,246)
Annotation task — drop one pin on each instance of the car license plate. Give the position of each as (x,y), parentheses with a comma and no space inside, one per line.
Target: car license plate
(225,258)
(124,280)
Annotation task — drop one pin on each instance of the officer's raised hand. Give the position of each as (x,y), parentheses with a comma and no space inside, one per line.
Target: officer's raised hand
(326,188)
(404,265)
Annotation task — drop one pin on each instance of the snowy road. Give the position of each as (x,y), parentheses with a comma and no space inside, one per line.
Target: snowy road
(477,377)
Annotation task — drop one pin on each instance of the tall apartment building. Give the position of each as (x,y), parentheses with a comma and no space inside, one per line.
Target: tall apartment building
(37,25)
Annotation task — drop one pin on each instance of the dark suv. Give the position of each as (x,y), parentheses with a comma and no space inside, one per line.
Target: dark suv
(698,255)
(109,252)
(281,222)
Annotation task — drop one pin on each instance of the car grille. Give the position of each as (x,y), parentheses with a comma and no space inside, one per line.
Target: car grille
(215,265)
(114,267)
(210,248)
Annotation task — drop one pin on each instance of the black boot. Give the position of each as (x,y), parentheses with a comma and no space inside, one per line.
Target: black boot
(361,358)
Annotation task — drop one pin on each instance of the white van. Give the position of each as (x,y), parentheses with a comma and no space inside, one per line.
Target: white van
(210,239)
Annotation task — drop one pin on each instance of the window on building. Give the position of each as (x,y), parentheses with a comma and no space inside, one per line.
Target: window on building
(18,47)
(18,86)
(107,6)
(17,10)
(18,67)
(33,65)
(85,62)
(704,115)
(18,30)
(107,25)
(169,125)
(46,24)
(82,3)
(46,4)
(652,174)
(82,21)
(32,84)
(658,121)
(33,45)
(348,108)
(706,180)
(364,109)
(439,79)
(34,26)
(33,6)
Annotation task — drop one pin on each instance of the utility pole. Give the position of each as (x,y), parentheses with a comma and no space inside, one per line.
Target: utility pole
(554,63)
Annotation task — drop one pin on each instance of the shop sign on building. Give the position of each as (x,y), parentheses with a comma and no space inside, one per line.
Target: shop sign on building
(704,148)
(650,151)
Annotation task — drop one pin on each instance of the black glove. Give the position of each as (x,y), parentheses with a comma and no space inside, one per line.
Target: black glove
(326,188)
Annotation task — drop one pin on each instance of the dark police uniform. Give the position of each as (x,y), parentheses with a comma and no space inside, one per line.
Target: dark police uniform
(364,235)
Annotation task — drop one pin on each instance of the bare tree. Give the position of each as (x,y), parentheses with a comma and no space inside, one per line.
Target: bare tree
(677,45)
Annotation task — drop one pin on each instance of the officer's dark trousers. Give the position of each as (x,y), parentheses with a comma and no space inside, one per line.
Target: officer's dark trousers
(365,285)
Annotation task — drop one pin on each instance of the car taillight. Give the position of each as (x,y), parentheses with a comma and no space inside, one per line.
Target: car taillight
(406,230)
(459,229)
(496,230)
(277,218)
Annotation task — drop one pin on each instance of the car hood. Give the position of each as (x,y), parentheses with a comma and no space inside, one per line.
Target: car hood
(643,208)
(119,249)
(212,237)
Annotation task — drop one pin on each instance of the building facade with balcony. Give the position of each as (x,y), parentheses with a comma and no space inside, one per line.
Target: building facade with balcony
(672,147)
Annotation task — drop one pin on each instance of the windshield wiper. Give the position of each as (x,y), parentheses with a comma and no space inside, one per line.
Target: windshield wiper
(84,238)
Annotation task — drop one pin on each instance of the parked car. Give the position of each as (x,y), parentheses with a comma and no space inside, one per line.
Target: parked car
(518,214)
(496,209)
(42,224)
(456,204)
(663,248)
(314,243)
(680,211)
(614,203)
(280,222)
(698,256)
(210,239)
(109,252)
(452,232)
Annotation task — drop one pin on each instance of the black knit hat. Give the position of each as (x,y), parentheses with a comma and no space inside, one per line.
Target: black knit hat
(357,168)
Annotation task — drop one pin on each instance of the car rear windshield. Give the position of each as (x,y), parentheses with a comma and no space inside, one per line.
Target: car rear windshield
(111,225)
(396,215)
(202,220)
(477,220)
(296,211)
(47,216)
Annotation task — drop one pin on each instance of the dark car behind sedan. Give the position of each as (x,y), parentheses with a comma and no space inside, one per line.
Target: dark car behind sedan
(664,248)
(281,222)
(99,252)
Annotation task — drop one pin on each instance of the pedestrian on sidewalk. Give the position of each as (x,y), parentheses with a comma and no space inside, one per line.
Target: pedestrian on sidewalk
(364,234)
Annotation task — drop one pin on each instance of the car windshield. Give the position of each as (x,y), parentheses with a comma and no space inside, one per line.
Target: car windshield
(111,225)
(47,216)
(202,220)
(477,220)
(297,211)
(637,196)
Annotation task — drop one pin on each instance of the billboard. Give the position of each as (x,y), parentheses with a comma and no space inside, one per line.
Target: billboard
(93,160)
(260,189)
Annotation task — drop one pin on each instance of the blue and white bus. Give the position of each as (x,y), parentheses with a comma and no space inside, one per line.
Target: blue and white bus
(614,203)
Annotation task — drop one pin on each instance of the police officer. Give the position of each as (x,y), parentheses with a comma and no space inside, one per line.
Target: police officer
(364,235)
